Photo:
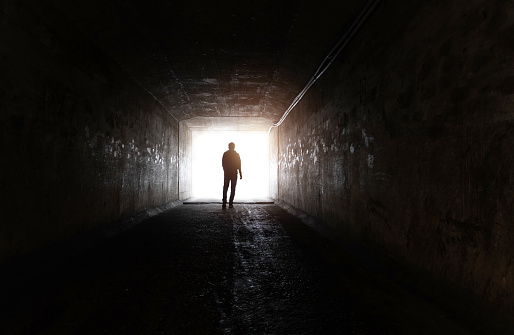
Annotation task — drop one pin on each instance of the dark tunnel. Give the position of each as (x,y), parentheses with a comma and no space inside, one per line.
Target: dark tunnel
(382,132)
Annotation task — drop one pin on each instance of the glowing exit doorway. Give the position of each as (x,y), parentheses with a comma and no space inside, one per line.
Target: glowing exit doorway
(207,173)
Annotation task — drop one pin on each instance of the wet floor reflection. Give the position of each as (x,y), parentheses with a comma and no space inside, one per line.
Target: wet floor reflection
(253,269)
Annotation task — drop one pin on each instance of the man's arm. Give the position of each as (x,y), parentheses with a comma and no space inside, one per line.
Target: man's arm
(240,172)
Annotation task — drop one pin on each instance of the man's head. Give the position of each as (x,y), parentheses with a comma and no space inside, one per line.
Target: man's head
(231,146)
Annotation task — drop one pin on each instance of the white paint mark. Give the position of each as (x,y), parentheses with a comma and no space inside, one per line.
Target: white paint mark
(352,149)
(371,159)
(367,139)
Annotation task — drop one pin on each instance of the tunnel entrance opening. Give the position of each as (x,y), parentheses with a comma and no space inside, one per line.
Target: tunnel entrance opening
(207,173)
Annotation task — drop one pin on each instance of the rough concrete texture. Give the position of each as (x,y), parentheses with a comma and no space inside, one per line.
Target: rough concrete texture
(406,141)
(205,58)
(198,269)
(235,123)
(185,161)
(273,163)
(82,144)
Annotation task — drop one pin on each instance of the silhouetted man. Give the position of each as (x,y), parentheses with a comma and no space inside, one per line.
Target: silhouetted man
(231,162)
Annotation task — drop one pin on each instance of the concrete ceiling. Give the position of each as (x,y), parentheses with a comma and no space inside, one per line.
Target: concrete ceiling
(228,123)
(216,58)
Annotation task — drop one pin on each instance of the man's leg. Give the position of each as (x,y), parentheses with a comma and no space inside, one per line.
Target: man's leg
(233,183)
(225,188)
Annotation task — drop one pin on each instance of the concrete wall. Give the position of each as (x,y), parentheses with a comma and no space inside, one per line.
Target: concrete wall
(273,163)
(406,141)
(186,160)
(82,145)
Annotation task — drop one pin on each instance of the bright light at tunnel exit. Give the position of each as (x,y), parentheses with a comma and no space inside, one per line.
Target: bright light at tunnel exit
(207,173)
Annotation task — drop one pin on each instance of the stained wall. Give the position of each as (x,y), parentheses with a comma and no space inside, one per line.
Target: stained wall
(82,143)
(273,162)
(406,140)
(185,161)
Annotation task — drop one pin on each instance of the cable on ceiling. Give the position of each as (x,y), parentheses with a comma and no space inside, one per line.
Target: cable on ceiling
(329,59)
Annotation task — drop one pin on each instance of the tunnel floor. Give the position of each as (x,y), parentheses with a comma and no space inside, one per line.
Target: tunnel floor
(198,269)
